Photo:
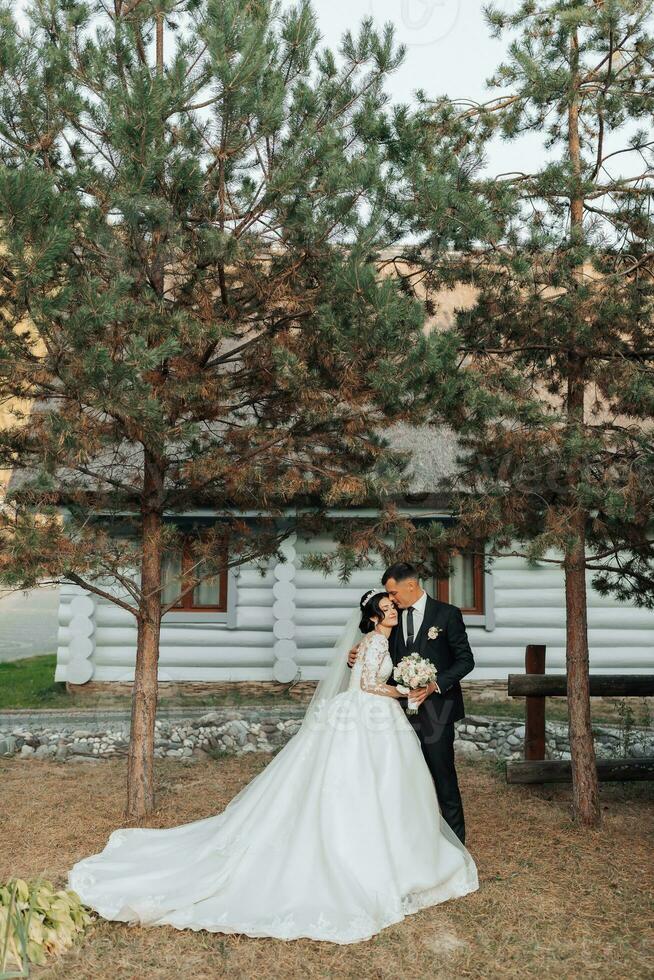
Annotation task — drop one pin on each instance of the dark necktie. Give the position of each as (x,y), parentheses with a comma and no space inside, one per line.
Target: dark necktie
(409,627)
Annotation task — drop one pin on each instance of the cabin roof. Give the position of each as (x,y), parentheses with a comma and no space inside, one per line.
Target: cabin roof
(433,458)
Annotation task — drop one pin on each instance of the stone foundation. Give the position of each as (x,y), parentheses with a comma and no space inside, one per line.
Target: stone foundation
(239,690)
(252,690)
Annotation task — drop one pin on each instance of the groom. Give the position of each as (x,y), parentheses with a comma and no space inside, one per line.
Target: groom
(437,632)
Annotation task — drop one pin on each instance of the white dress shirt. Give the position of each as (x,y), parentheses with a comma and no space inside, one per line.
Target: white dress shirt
(418,615)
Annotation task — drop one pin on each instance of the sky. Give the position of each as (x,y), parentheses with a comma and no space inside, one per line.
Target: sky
(449,51)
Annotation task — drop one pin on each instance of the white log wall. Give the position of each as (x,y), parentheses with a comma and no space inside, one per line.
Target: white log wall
(287,621)
(529,606)
(188,651)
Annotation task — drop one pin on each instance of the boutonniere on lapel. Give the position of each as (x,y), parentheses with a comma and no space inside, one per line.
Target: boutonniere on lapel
(433,632)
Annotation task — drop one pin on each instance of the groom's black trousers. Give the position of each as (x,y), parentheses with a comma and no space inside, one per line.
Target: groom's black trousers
(437,742)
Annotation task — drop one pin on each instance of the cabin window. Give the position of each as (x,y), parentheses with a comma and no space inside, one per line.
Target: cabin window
(464,586)
(210,594)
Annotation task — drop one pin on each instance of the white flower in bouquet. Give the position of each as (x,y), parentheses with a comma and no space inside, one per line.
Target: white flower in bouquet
(413,671)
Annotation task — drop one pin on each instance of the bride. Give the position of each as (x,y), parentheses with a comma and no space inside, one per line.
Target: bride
(337,838)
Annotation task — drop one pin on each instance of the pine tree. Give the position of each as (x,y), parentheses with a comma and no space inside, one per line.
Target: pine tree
(553,392)
(192,198)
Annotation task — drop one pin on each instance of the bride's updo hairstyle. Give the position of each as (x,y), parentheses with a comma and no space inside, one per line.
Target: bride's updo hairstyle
(370,607)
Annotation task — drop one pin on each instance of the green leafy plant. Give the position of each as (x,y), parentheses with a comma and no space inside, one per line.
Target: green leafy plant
(36,920)
(627,719)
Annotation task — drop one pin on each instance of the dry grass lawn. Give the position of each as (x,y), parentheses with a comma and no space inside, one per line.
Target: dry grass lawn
(554,901)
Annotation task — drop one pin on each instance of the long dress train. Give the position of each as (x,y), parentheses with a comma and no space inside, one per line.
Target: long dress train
(337,838)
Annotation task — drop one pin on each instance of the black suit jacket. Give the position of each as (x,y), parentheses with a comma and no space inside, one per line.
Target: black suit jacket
(450,653)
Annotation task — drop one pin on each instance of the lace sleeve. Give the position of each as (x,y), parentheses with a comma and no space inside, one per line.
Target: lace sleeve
(373,650)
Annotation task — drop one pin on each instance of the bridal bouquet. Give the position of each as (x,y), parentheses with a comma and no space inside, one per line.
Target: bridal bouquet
(413,671)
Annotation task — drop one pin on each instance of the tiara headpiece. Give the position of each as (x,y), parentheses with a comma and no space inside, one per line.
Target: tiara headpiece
(368,596)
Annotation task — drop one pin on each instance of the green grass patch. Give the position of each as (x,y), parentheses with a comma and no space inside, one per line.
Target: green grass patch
(555,710)
(29,683)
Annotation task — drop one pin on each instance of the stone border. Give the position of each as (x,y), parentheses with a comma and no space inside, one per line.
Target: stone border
(242,730)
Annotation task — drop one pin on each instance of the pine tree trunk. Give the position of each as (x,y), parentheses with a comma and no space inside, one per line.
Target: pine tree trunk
(585,789)
(140,771)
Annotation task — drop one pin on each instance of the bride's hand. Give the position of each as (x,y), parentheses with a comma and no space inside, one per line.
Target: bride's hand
(352,656)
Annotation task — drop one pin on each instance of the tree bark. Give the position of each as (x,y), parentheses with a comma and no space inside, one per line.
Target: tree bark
(159,42)
(140,769)
(585,786)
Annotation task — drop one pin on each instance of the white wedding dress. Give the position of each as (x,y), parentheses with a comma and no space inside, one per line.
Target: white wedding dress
(337,838)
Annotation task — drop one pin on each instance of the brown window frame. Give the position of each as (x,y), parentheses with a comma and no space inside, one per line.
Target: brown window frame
(479,607)
(186,603)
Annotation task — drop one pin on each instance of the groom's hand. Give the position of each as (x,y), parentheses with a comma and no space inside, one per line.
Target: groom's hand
(420,694)
(352,656)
